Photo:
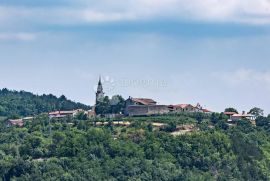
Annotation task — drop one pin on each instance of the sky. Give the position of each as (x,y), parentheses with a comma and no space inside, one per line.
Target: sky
(215,52)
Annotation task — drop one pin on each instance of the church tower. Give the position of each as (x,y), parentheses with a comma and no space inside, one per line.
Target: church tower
(99,94)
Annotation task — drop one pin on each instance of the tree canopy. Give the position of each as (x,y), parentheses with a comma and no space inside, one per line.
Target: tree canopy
(148,148)
(23,103)
(77,149)
(115,105)
(256,111)
(230,109)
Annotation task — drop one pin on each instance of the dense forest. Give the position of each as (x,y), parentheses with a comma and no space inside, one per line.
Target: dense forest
(74,149)
(14,103)
(129,148)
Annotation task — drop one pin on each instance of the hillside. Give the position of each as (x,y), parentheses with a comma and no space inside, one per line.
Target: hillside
(21,103)
(102,149)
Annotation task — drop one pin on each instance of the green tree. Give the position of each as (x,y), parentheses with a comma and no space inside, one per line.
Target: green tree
(117,104)
(170,127)
(24,103)
(256,112)
(103,106)
(230,109)
(81,116)
(262,121)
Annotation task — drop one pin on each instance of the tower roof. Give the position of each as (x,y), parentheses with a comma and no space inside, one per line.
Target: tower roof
(100,87)
(99,81)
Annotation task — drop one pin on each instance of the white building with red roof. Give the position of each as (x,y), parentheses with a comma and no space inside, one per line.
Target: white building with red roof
(19,122)
(234,117)
(61,114)
(16,122)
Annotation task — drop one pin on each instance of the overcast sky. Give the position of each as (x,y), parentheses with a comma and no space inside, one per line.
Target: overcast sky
(216,52)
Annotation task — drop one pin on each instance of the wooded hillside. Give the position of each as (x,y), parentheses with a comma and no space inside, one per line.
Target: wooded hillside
(21,103)
(72,149)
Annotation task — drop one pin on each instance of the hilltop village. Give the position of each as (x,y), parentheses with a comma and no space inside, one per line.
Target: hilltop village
(133,107)
(128,139)
(148,106)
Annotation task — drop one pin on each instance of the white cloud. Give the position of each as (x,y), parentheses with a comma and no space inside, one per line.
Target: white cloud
(242,11)
(238,11)
(94,16)
(18,36)
(245,77)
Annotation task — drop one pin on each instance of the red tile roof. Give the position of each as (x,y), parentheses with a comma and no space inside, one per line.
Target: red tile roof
(183,106)
(243,115)
(16,122)
(229,113)
(206,111)
(144,101)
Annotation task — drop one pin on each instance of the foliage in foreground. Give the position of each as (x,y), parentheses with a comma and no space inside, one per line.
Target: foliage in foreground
(59,150)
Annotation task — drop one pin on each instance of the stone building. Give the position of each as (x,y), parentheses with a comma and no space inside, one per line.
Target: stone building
(140,101)
(184,108)
(188,108)
(142,110)
(144,107)
(99,94)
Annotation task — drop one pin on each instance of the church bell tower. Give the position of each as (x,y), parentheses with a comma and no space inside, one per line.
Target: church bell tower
(99,94)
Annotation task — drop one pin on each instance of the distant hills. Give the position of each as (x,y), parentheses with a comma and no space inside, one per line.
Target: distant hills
(22,103)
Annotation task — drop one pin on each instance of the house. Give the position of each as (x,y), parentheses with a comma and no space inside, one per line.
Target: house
(184,108)
(61,114)
(230,114)
(207,111)
(15,122)
(144,107)
(19,122)
(91,113)
(140,101)
(233,116)
(188,108)
(146,110)
(237,117)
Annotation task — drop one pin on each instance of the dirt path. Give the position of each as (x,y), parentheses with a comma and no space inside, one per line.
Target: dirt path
(127,123)
(181,129)
(184,129)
